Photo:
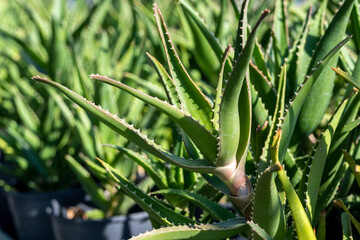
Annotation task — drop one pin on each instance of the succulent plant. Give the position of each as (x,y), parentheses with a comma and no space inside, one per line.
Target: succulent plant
(251,125)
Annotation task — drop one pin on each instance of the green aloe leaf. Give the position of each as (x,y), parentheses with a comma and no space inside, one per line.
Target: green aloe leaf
(265,158)
(296,55)
(26,113)
(201,137)
(158,212)
(229,122)
(212,40)
(356,224)
(192,99)
(203,52)
(155,172)
(267,205)
(346,226)
(292,113)
(39,61)
(264,87)
(166,80)
(242,30)
(245,125)
(154,89)
(355,24)
(318,158)
(261,62)
(214,209)
(89,185)
(126,130)
(213,231)
(173,98)
(259,232)
(302,224)
(354,167)
(219,90)
(321,230)
(355,82)
(319,96)
(280,27)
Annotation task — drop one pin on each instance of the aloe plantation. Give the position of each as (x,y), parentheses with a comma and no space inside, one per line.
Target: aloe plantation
(232,119)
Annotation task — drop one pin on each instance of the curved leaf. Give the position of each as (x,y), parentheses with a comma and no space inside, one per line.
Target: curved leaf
(212,231)
(214,209)
(229,122)
(129,132)
(201,137)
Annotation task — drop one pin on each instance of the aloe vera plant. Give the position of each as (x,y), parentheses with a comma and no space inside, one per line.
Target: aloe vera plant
(249,125)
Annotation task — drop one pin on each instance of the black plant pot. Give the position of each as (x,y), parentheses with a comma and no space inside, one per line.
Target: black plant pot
(30,211)
(115,228)
(6,222)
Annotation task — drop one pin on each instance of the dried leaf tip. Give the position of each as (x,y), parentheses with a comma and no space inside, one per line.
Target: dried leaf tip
(39,79)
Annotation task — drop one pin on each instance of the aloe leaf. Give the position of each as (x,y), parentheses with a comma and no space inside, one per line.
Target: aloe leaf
(292,113)
(126,130)
(319,96)
(221,25)
(15,139)
(355,82)
(259,232)
(26,113)
(356,224)
(321,230)
(192,99)
(312,38)
(260,124)
(215,210)
(245,125)
(214,231)
(57,50)
(34,17)
(329,191)
(318,158)
(152,88)
(296,55)
(264,87)
(203,52)
(236,8)
(348,122)
(173,98)
(242,30)
(63,107)
(219,90)
(89,185)
(217,184)
(265,158)
(86,139)
(260,61)
(155,172)
(92,19)
(302,224)
(229,122)
(355,23)
(201,137)
(157,211)
(95,169)
(166,80)
(280,28)
(346,226)
(267,205)
(212,40)
(39,62)
(354,167)
(80,70)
